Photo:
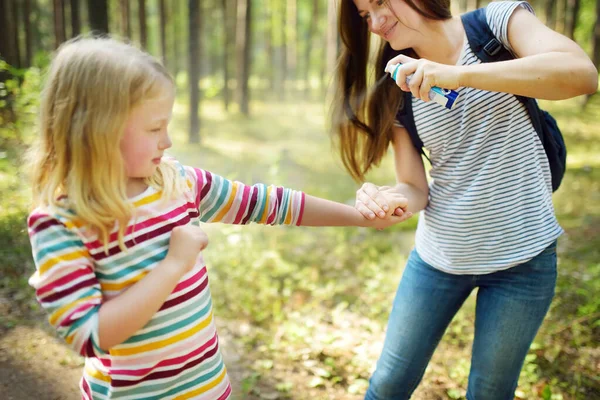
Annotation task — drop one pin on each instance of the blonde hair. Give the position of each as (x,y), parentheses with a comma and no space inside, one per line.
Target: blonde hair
(76,163)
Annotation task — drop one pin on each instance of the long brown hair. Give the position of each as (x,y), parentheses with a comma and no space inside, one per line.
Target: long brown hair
(362,119)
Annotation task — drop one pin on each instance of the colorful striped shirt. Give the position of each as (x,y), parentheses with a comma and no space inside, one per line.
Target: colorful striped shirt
(176,354)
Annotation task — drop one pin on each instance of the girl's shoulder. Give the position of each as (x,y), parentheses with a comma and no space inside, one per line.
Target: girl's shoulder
(53,219)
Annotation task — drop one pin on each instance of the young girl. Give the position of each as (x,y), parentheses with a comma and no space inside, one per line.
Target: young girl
(488,219)
(115,234)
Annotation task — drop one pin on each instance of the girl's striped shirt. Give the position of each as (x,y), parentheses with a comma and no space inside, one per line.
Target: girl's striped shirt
(490,205)
(176,354)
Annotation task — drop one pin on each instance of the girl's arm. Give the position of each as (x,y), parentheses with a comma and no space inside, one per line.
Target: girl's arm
(221,200)
(410,176)
(68,289)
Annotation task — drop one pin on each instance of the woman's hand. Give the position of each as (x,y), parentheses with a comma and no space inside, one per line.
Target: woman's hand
(425,75)
(374,201)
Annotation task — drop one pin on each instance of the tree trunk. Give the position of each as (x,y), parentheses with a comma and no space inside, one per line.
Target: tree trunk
(28,33)
(331,39)
(125,18)
(243,41)
(75,18)
(194,69)
(8,51)
(572,17)
(175,52)
(309,46)
(142,23)
(226,46)
(59,23)
(596,37)
(98,16)
(550,14)
(560,16)
(162,11)
(291,37)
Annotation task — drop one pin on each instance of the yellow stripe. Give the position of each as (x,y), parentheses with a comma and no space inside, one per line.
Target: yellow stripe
(94,373)
(122,285)
(288,217)
(58,313)
(75,223)
(164,342)
(65,257)
(203,389)
(227,207)
(266,210)
(147,200)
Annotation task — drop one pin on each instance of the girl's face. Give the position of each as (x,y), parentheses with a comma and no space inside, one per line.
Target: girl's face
(146,136)
(393,20)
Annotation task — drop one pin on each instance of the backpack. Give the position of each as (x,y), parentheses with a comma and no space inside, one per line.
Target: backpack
(489,49)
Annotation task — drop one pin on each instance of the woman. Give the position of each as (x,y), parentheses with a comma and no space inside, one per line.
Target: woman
(488,221)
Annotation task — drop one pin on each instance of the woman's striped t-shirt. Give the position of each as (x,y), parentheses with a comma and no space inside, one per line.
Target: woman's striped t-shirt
(490,205)
(176,354)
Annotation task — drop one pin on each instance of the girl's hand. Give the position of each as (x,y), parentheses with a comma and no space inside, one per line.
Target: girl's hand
(376,201)
(425,75)
(187,241)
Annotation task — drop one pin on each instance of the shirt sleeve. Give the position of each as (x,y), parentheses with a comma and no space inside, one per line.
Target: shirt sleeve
(221,200)
(65,283)
(498,14)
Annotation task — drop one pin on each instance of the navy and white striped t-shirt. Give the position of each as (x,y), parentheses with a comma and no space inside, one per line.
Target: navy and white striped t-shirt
(490,205)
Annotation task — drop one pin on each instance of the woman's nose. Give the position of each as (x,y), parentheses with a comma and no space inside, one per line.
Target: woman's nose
(377,22)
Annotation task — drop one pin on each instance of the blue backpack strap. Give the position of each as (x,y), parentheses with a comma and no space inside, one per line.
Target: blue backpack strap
(482,40)
(488,48)
(406,117)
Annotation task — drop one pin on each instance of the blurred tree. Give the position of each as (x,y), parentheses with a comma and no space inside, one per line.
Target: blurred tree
(98,16)
(59,23)
(572,17)
(310,37)
(243,43)
(125,18)
(195,50)
(162,27)
(28,33)
(75,18)
(142,23)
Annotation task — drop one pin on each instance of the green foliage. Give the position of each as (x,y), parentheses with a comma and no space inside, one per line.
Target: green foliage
(314,302)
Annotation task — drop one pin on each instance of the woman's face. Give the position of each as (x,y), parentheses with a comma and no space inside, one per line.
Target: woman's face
(393,20)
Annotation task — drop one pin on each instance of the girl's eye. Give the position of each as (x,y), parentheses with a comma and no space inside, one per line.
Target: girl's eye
(366,17)
(380,2)
(155,130)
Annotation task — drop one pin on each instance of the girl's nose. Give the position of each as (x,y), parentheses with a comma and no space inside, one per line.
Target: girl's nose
(165,143)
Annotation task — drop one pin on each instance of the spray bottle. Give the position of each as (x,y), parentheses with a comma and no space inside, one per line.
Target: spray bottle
(445,97)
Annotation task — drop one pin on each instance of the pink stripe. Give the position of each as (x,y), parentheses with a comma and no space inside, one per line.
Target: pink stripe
(86,389)
(227,393)
(157,356)
(169,362)
(199,184)
(183,209)
(302,200)
(190,281)
(244,203)
(83,307)
(70,277)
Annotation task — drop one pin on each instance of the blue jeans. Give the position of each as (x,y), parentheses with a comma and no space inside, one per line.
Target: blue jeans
(511,306)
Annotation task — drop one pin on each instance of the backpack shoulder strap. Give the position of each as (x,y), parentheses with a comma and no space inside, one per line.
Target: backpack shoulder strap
(406,117)
(488,48)
(481,39)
